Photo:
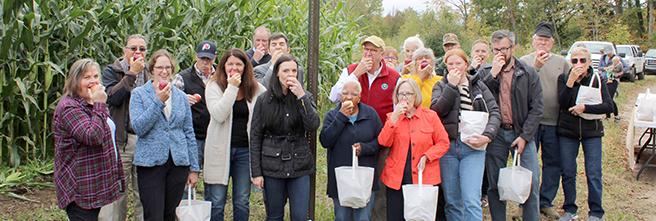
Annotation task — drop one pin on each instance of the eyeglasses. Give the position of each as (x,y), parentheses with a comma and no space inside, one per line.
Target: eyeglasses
(134,48)
(372,50)
(502,50)
(352,93)
(543,40)
(160,68)
(406,95)
(388,57)
(583,60)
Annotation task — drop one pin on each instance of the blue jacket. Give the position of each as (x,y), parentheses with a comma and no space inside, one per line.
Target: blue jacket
(157,136)
(338,134)
(605,62)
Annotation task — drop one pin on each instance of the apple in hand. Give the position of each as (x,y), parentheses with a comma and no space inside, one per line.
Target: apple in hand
(407,61)
(197,96)
(136,56)
(233,73)
(424,64)
(289,83)
(347,103)
(163,84)
(542,53)
(94,88)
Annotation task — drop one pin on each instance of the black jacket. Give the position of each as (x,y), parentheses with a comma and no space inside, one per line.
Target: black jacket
(194,85)
(446,102)
(526,96)
(338,134)
(570,125)
(284,153)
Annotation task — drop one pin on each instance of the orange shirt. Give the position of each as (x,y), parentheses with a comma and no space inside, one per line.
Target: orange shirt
(427,136)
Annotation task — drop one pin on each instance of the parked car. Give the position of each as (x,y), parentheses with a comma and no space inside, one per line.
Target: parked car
(595,47)
(650,61)
(634,59)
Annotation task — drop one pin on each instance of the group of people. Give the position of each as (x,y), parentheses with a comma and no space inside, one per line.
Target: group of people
(248,119)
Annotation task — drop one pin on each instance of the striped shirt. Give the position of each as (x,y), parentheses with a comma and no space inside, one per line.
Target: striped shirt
(465,101)
(87,170)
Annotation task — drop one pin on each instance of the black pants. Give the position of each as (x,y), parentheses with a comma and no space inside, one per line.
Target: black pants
(161,189)
(76,213)
(612,88)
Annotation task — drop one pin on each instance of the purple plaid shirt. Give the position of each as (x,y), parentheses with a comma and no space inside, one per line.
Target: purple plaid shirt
(87,169)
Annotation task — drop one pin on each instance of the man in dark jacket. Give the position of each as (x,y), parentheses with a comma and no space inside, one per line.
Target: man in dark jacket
(259,53)
(192,81)
(517,89)
(120,79)
(278,46)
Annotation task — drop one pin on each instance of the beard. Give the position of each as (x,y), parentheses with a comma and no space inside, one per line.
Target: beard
(507,58)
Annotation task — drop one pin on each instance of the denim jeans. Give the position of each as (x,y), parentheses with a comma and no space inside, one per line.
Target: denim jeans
(298,191)
(546,138)
(241,187)
(569,151)
(462,175)
(497,158)
(362,214)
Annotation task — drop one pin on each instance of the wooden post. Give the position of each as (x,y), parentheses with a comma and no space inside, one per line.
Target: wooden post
(313,72)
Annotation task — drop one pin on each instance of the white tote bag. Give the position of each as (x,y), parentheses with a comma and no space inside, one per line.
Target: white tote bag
(354,184)
(419,201)
(193,210)
(515,182)
(646,106)
(589,95)
(473,122)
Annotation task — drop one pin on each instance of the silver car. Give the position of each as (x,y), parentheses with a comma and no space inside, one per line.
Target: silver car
(650,61)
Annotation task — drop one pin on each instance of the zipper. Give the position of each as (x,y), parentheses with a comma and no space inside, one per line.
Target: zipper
(303,103)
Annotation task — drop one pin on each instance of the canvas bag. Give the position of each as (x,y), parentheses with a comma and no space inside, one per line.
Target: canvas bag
(515,182)
(419,201)
(473,122)
(646,106)
(589,95)
(354,184)
(193,210)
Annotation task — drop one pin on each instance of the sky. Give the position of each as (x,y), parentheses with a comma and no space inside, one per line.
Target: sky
(402,4)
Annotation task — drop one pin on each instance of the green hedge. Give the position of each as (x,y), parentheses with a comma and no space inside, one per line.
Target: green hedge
(42,38)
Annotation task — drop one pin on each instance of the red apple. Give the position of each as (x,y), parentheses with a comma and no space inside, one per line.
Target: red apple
(407,61)
(163,84)
(424,64)
(197,96)
(94,88)
(542,53)
(136,56)
(289,83)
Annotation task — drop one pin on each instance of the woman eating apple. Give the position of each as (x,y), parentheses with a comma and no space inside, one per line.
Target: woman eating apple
(424,73)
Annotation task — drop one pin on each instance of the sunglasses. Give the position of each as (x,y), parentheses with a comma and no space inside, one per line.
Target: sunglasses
(134,48)
(388,57)
(583,60)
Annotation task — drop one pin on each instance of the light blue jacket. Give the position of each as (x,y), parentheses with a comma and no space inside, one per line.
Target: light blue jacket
(157,136)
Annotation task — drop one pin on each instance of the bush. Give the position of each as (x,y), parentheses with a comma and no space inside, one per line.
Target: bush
(42,38)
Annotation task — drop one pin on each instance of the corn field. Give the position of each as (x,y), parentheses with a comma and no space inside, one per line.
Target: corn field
(42,38)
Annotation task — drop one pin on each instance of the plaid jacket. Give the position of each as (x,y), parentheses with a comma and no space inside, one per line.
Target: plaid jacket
(87,168)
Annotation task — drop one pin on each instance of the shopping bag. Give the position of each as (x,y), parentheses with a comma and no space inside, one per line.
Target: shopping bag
(473,122)
(354,184)
(646,106)
(193,210)
(515,182)
(589,95)
(419,201)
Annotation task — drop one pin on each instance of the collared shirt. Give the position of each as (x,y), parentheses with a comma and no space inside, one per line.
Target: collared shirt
(179,81)
(505,100)
(87,170)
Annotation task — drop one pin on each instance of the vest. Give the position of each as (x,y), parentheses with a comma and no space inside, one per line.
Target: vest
(194,85)
(379,96)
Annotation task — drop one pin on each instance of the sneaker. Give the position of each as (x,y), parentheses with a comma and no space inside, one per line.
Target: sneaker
(484,202)
(594,218)
(567,216)
(550,212)
(617,119)
(518,214)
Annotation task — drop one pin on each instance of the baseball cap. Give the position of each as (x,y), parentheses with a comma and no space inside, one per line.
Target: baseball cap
(544,29)
(450,38)
(378,42)
(206,49)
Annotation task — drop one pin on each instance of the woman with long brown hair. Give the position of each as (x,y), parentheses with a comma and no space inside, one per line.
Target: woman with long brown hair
(231,94)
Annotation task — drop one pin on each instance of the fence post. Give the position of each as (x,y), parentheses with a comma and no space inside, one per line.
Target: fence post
(313,71)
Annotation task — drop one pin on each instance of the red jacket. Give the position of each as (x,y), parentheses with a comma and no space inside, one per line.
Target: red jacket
(379,96)
(426,135)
